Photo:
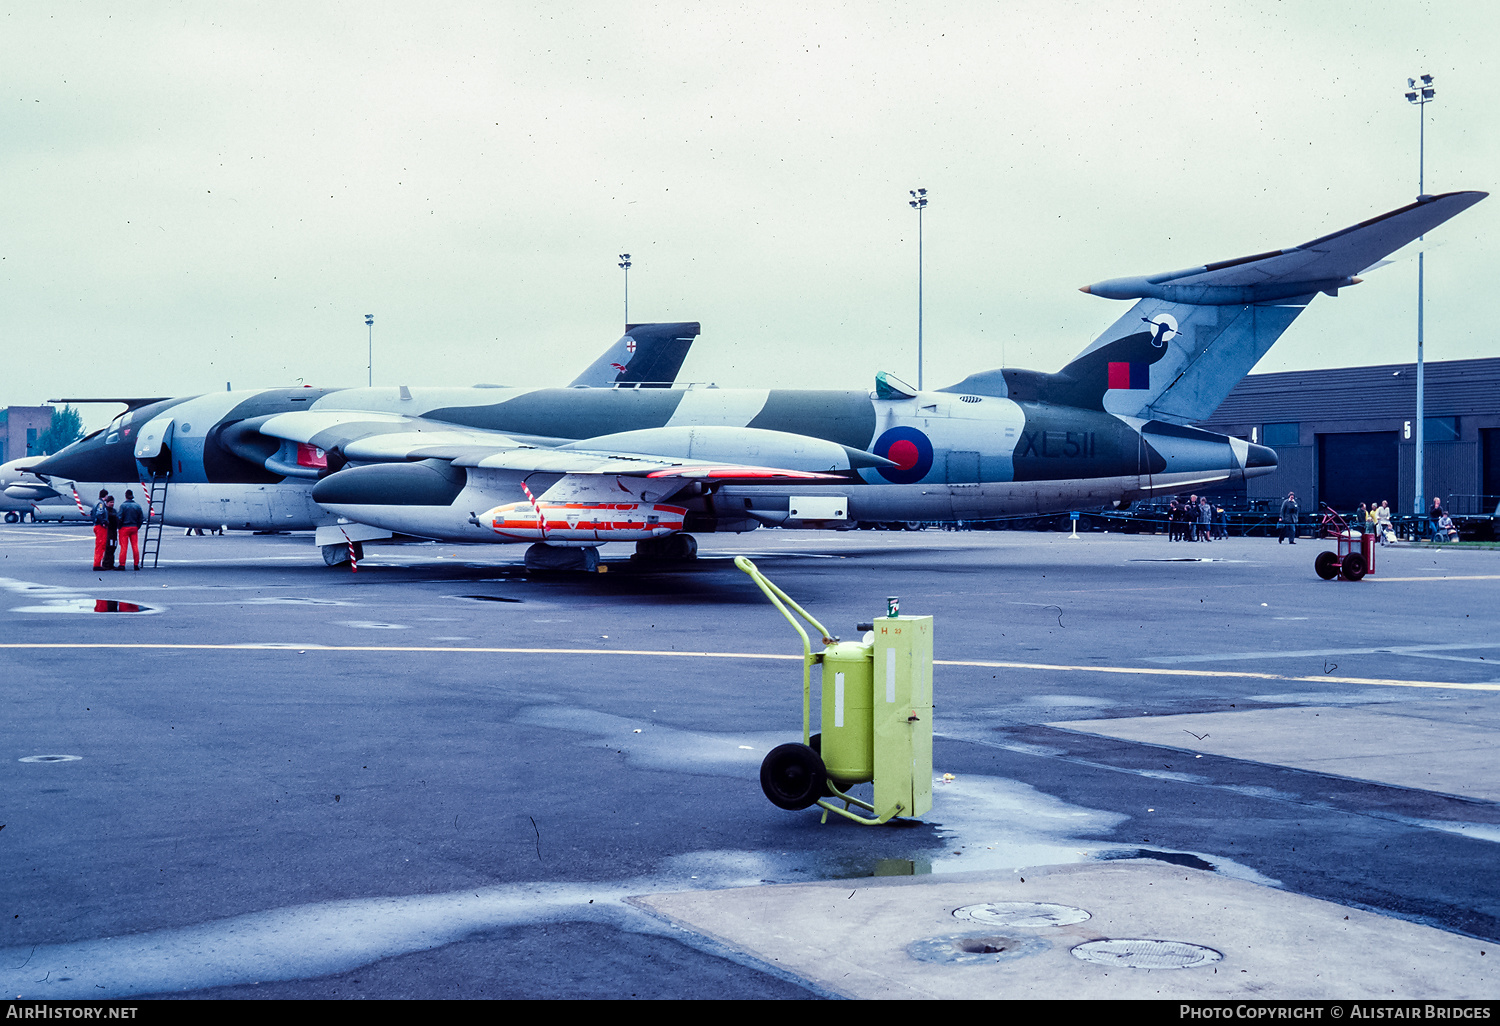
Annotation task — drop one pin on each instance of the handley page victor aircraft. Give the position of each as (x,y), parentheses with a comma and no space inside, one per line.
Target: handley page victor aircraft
(568,468)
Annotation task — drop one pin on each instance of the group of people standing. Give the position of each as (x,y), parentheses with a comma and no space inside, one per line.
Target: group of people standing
(117,528)
(1377,521)
(1195,520)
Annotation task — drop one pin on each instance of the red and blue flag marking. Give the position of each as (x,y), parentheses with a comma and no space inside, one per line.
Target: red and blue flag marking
(1129,375)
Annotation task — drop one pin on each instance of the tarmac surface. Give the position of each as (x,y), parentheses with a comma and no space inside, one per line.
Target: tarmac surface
(444,777)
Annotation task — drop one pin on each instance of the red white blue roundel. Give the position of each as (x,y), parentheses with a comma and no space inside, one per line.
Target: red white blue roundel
(909,449)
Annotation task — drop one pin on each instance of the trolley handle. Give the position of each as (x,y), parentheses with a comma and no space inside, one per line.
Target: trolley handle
(1333,514)
(781,600)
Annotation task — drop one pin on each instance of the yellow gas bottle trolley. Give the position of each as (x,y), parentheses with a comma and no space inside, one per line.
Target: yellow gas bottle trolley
(876,718)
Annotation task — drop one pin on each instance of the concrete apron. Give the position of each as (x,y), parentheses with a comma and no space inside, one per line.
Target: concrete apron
(895,937)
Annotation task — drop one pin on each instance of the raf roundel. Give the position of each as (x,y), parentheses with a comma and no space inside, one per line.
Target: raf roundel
(909,449)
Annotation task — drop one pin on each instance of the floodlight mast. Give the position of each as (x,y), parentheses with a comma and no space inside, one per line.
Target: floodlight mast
(625,266)
(370,344)
(919,203)
(1420,95)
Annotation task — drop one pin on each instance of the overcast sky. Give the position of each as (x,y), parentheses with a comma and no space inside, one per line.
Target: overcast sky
(200,193)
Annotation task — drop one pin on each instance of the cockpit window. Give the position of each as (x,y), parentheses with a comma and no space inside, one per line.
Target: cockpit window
(114,429)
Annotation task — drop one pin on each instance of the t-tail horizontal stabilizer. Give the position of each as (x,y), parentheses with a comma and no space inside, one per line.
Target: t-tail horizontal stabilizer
(647,354)
(1193,334)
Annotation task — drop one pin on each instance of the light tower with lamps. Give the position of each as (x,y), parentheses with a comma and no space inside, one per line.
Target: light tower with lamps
(1420,93)
(625,266)
(370,342)
(919,203)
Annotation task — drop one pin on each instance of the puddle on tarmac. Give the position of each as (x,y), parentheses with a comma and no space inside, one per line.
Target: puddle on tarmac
(55,599)
(304,941)
(88,605)
(1176,858)
(980,822)
(1479,831)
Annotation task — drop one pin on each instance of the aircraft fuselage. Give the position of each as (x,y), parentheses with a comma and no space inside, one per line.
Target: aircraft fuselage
(955,455)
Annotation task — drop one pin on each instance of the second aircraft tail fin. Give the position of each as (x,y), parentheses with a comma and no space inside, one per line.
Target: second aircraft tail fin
(645,354)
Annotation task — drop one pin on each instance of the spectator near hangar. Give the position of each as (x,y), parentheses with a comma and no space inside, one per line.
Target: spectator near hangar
(1346,436)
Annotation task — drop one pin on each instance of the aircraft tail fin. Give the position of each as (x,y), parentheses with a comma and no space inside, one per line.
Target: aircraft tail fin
(645,354)
(1193,334)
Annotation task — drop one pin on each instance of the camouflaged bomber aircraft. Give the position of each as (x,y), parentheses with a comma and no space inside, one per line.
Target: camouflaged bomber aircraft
(214,488)
(565,469)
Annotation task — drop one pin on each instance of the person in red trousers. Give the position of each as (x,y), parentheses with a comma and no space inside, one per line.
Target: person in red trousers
(101,514)
(131,519)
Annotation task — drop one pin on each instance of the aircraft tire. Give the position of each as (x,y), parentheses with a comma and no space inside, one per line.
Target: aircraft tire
(542,556)
(674,548)
(793,777)
(12,517)
(1326,565)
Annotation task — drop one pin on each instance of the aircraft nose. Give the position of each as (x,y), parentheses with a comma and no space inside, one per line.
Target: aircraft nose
(1260,456)
(88,459)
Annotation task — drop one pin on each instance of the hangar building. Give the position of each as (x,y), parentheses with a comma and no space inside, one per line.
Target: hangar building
(20,427)
(1346,436)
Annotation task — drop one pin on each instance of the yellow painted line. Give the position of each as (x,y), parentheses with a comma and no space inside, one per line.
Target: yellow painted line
(253,646)
(1435,577)
(481,650)
(1152,671)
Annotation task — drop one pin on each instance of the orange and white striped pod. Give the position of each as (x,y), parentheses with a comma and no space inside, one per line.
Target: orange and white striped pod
(584,521)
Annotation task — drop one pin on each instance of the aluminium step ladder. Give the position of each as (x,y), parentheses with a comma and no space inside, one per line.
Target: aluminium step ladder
(156,508)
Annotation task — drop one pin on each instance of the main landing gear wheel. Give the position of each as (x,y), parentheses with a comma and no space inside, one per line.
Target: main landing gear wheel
(793,777)
(337,555)
(12,517)
(674,548)
(542,556)
(1352,567)
(1327,565)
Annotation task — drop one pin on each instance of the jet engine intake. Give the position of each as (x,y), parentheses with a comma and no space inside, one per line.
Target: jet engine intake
(425,483)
